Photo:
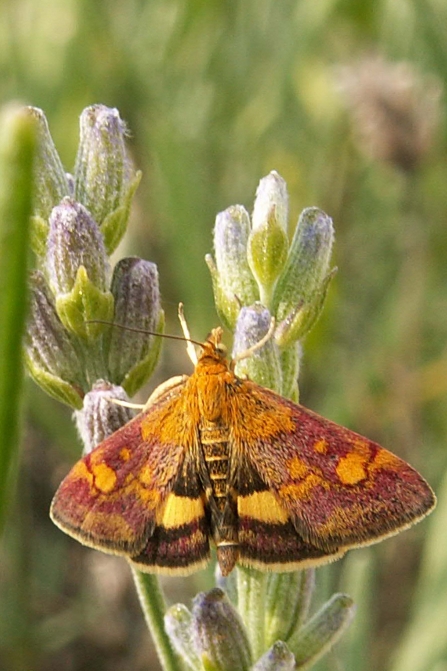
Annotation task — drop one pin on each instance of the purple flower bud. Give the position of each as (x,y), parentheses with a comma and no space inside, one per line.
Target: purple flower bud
(74,240)
(233,281)
(50,352)
(100,416)
(104,179)
(262,366)
(301,289)
(218,633)
(133,355)
(51,184)
(278,658)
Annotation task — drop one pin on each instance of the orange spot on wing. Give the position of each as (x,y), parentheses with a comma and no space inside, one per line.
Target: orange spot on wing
(385,459)
(351,469)
(81,471)
(297,468)
(305,489)
(105,477)
(125,454)
(321,446)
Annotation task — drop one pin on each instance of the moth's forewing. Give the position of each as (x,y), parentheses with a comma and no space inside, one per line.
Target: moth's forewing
(325,488)
(109,499)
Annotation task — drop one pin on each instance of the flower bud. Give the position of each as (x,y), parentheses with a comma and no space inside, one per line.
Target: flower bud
(49,350)
(100,416)
(178,625)
(302,286)
(262,366)
(268,243)
(233,281)
(50,181)
(218,633)
(77,268)
(322,631)
(74,240)
(278,658)
(104,179)
(271,192)
(133,356)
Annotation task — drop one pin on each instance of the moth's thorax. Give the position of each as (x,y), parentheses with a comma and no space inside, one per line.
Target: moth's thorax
(211,379)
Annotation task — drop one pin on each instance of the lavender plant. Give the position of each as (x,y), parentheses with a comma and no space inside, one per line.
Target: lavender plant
(252,620)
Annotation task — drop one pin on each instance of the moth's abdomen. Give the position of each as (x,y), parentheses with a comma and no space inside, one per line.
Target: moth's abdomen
(216,452)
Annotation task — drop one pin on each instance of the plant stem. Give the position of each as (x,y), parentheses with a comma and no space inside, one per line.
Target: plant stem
(251,606)
(17,148)
(154,607)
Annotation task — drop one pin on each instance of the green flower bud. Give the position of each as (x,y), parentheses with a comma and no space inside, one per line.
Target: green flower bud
(50,353)
(178,625)
(233,281)
(322,631)
(82,305)
(271,192)
(278,658)
(105,182)
(50,181)
(218,633)
(100,416)
(268,242)
(133,356)
(77,268)
(301,289)
(262,366)
(287,603)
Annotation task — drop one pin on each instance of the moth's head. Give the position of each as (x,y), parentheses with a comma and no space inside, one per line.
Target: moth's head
(213,346)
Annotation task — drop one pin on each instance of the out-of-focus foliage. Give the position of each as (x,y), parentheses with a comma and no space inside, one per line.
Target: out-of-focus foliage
(216,95)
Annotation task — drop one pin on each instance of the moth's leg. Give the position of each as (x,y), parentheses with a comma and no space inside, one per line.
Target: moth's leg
(163,388)
(245,354)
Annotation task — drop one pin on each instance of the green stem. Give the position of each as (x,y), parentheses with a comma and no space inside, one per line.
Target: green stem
(154,607)
(17,147)
(251,605)
(265,295)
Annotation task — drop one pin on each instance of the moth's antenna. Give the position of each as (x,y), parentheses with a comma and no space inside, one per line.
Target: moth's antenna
(245,354)
(135,329)
(189,343)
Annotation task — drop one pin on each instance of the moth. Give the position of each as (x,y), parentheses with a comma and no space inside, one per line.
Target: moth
(219,460)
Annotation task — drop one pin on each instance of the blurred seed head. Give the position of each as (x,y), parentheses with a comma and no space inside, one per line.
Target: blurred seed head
(395,110)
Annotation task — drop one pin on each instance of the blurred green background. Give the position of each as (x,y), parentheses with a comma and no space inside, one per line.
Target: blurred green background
(216,94)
